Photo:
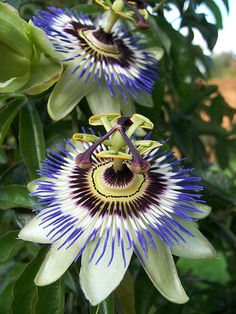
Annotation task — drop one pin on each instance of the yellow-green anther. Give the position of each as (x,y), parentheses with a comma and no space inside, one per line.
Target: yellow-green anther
(118,138)
(146,123)
(89,138)
(104,119)
(83,137)
(143,143)
(146,145)
(143,150)
(139,121)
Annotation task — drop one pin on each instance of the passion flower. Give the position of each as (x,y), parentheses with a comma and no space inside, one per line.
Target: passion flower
(113,197)
(104,62)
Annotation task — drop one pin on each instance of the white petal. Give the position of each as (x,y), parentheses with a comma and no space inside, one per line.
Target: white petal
(32,185)
(196,246)
(98,281)
(205,211)
(128,109)
(145,100)
(77,144)
(156,52)
(161,269)
(66,94)
(57,261)
(33,232)
(100,101)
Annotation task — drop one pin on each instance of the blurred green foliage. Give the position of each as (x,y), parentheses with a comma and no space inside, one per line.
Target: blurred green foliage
(183,99)
(224,65)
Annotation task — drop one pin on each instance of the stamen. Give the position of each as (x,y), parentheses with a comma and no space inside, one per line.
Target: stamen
(139,164)
(83,160)
(135,6)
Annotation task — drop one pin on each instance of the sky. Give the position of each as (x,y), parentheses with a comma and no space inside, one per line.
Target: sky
(227,36)
(227,39)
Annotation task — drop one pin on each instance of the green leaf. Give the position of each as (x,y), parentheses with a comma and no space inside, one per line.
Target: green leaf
(88,9)
(25,292)
(216,11)
(12,196)
(9,272)
(208,30)
(125,294)
(30,299)
(7,115)
(3,156)
(50,299)
(31,138)
(9,245)
(23,218)
(144,293)
(226,3)
(219,185)
(214,269)
(14,3)
(222,152)
(105,307)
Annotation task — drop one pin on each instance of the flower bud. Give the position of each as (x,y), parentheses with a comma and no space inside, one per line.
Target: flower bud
(24,64)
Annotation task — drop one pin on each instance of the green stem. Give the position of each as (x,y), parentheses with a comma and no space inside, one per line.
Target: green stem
(134,127)
(106,123)
(118,164)
(118,5)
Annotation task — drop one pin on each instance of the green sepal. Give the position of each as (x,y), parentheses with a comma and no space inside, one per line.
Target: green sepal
(15,70)
(43,76)
(13,33)
(41,41)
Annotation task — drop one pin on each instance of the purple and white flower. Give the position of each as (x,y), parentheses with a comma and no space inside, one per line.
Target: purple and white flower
(111,198)
(110,66)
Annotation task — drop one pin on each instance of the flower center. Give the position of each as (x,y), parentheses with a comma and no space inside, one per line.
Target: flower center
(119,178)
(100,42)
(121,184)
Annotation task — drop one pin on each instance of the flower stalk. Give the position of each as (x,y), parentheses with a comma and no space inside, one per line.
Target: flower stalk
(119,6)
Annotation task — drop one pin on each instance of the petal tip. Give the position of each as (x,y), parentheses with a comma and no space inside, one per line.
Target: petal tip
(21,235)
(181,299)
(42,280)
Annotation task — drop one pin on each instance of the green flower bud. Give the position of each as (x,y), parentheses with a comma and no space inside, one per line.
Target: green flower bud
(25,65)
